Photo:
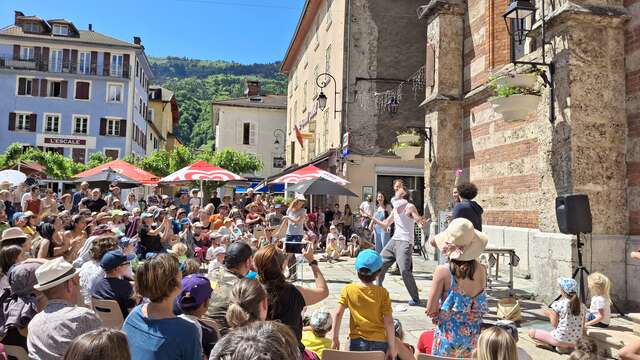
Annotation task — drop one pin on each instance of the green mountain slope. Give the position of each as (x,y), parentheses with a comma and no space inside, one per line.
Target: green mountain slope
(197,82)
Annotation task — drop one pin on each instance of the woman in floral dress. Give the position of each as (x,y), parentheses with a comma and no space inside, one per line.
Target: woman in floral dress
(458,300)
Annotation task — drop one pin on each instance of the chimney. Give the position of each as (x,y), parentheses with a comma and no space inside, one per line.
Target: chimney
(137,40)
(253,88)
(90,27)
(17,14)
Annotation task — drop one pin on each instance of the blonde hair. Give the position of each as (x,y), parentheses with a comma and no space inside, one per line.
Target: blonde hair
(496,344)
(179,249)
(100,344)
(599,284)
(244,302)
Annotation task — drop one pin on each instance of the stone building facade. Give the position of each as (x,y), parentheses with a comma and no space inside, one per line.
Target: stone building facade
(521,166)
(368,47)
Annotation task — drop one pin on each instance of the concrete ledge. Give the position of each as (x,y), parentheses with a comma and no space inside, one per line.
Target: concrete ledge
(610,341)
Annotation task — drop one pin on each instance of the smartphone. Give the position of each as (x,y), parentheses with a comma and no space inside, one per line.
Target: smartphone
(294,247)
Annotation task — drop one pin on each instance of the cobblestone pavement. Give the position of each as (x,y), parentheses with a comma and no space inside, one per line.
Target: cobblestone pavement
(413,319)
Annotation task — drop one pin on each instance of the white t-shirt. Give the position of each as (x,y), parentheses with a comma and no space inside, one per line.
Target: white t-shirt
(569,326)
(601,302)
(366,207)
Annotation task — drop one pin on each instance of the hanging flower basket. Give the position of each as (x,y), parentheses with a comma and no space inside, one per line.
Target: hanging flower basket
(515,107)
(408,138)
(528,81)
(407,152)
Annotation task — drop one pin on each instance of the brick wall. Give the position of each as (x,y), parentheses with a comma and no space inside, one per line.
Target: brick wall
(632,67)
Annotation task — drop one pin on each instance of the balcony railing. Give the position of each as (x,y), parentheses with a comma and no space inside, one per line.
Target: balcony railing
(68,67)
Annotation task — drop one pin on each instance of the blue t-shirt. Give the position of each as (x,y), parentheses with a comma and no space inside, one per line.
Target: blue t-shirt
(163,339)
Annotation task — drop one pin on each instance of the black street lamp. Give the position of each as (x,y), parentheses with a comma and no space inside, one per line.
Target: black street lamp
(322,98)
(516,19)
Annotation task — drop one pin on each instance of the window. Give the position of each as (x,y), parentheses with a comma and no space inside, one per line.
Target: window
(83,90)
(31,27)
(304,96)
(84,63)
(59,29)
(26,53)
(55,88)
(112,153)
(22,122)
(137,69)
(80,124)
(55,64)
(113,127)
(79,155)
(114,93)
(246,131)
(328,17)
(117,64)
(315,76)
(140,106)
(25,86)
(52,123)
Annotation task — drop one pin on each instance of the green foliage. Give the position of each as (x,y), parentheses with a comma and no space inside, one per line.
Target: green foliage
(278,199)
(234,161)
(97,159)
(11,155)
(506,91)
(407,132)
(56,166)
(404,145)
(196,83)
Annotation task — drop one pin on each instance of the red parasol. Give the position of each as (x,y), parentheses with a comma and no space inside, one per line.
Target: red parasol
(201,171)
(124,168)
(309,173)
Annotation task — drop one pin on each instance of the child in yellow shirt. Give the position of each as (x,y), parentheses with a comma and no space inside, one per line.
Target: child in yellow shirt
(371,321)
(314,339)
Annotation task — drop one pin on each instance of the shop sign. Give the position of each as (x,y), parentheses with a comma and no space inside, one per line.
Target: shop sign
(63,141)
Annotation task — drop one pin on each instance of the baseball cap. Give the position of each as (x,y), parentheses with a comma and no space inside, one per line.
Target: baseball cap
(114,258)
(370,260)
(126,241)
(569,285)
(17,216)
(213,252)
(185,221)
(196,289)
(145,215)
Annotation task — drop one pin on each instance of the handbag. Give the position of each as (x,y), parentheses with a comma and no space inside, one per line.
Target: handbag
(509,309)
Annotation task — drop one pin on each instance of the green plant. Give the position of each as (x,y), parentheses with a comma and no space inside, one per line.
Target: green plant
(397,146)
(407,132)
(278,200)
(506,91)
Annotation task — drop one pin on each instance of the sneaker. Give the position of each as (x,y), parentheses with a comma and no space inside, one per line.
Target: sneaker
(563,350)
(414,303)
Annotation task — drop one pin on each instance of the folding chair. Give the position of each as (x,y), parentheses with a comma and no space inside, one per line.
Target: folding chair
(109,312)
(329,354)
(17,352)
(434,357)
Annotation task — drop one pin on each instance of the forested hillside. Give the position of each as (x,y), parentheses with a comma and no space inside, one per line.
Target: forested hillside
(197,82)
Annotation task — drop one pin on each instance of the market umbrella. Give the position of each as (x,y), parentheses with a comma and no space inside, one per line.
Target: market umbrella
(309,173)
(108,176)
(201,171)
(122,167)
(320,186)
(14,177)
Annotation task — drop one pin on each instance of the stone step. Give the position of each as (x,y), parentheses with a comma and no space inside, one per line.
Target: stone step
(612,339)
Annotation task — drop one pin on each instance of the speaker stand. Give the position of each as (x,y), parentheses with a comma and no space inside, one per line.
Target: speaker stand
(582,272)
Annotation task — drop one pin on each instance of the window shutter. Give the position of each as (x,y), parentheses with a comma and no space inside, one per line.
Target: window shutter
(430,67)
(22,86)
(94,63)
(35,88)
(16,52)
(123,127)
(64,88)
(125,66)
(82,90)
(33,120)
(106,65)
(12,121)
(65,59)
(74,61)
(37,52)
(43,87)
(103,126)
(252,134)
(44,64)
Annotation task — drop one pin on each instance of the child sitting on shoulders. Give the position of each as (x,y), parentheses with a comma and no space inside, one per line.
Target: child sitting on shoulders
(179,250)
(566,316)
(314,339)
(370,322)
(599,313)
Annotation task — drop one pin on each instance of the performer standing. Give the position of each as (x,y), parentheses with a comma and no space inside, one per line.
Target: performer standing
(400,248)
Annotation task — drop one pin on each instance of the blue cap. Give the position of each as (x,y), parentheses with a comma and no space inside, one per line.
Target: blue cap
(114,258)
(185,221)
(17,216)
(568,285)
(370,260)
(126,241)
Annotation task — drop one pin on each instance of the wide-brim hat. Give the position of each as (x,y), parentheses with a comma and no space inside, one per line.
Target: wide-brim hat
(460,241)
(53,273)
(13,233)
(300,197)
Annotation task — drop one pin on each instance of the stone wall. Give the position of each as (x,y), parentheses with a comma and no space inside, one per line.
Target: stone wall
(632,67)
(387,46)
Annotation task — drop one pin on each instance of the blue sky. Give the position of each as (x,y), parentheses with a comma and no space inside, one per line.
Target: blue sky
(246,31)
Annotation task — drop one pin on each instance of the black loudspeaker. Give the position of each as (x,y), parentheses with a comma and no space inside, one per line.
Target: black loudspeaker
(574,214)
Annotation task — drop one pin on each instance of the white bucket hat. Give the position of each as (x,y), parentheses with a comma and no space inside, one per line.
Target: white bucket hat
(460,241)
(54,272)
(300,197)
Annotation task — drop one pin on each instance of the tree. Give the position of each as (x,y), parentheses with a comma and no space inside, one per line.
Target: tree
(56,165)
(97,159)
(11,156)
(234,161)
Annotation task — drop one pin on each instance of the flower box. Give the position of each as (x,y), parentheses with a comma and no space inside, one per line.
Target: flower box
(515,107)
(528,81)
(408,138)
(407,152)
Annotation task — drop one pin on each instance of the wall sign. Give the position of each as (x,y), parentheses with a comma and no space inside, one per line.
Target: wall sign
(66,141)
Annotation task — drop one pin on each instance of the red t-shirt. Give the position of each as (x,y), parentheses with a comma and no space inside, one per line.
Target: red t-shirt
(425,342)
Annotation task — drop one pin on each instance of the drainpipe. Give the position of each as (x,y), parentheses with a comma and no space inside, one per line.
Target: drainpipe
(345,102)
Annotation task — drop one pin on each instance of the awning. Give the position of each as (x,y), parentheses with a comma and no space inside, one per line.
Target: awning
(124,168)
(399,170)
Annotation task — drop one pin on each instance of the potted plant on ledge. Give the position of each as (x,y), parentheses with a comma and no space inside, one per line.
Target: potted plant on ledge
(407,151)
(408,136)
(516,95)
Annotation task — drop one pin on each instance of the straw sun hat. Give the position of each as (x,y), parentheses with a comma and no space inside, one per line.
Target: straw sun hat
(460,241)
(54,272)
